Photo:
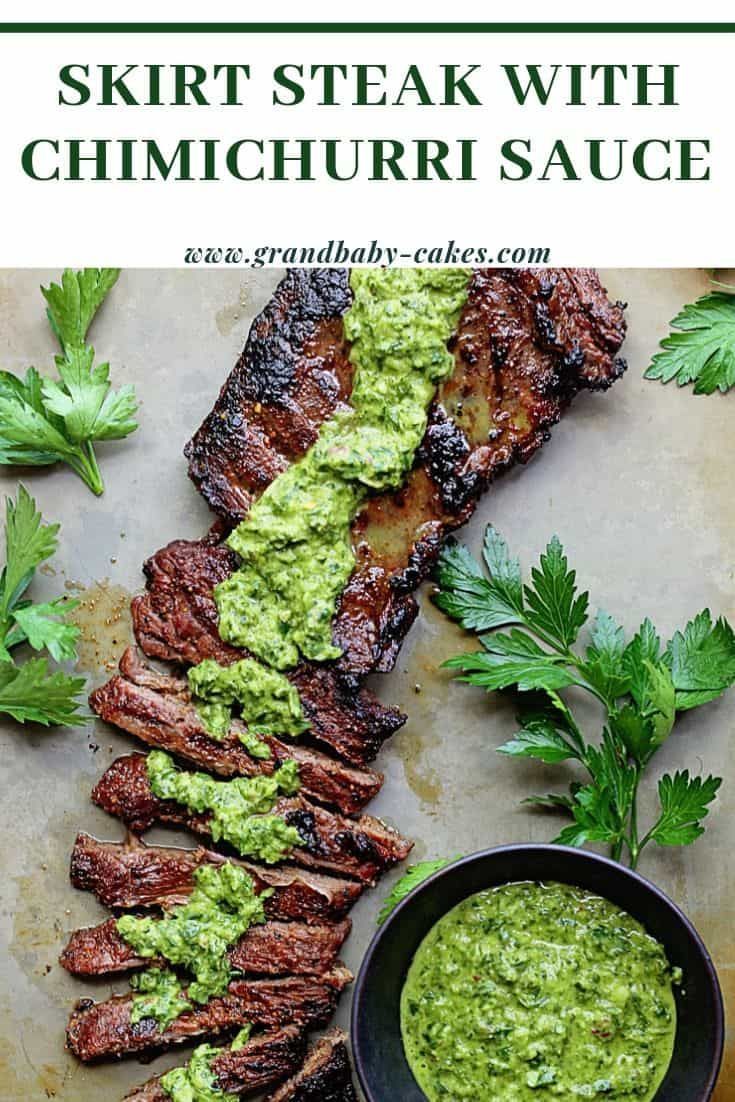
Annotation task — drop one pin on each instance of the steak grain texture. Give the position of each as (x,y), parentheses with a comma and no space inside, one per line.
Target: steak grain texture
(326,1075)
(131,875)
(265,1059)
(272,949)
(103,1030)
(362,848)
(176,619)
(158,710)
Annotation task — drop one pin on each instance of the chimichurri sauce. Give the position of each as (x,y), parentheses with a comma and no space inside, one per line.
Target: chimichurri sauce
(533,990)
(294,544)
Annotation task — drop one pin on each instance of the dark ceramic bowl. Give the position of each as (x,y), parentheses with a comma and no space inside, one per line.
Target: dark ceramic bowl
(376,1032)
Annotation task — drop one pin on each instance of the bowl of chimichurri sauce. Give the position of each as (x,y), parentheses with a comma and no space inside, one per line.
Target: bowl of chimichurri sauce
(532,972)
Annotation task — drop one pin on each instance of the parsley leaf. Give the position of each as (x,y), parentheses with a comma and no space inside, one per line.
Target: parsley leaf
(71,306)
(554,609)
(703,351)
(476,602)
(413,876)
(640,688)
(702,660)
(28,543)
(30,694)
(683,805)
(539,738)
(605,666)
(44,420)
(595,819)
(496,671)
(43,627)
(28,691)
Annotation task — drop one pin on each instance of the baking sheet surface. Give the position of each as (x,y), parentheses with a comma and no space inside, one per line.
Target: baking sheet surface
(638,485)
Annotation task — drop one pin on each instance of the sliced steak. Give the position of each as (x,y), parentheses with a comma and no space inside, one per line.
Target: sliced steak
(362,848)
(273,949)
(526,342)
(265,1059)
(131,875)
(326,1075)
(103,1030)
(176,619)
(158,710)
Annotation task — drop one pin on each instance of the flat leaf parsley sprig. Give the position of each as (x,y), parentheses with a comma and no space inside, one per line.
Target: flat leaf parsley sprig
(45,421)
(28,691)
(640,685)
(703,350)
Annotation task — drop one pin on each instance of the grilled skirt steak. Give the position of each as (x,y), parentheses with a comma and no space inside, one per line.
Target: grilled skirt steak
(526,342)
(103,1030)
(362,848)
(325,1076)
(265,1059)
(131,875)
(176,619)
(273,949)
(158,710)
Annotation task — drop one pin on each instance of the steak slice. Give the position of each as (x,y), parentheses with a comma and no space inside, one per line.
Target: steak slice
(361,848)
(103,1030)
(526,342)
(326,1075)
(158,710)
(131,875)
(273,949)
(176,619)
(290,377)
(265,1059)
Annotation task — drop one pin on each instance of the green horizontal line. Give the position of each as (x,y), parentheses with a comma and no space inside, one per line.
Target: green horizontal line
(367,28)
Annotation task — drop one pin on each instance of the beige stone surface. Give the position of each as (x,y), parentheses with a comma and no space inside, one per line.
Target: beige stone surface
(637,483)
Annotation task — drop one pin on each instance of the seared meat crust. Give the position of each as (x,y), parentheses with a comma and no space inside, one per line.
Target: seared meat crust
(158,710)
(103,1030)
(273,949)
(526,342)
(176,619)
(265,1059)
(325,1075)
(361,848)
(131,875)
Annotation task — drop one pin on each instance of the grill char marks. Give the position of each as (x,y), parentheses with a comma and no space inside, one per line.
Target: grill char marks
(176,619)
(102,1030)
(131,875)
(290,378)
(526,342)
(158,710)
(265,1059)
(273,949)
(362,848)
(324,1077)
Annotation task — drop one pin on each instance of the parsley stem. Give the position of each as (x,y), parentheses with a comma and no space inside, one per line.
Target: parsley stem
(633,843)
(85,465)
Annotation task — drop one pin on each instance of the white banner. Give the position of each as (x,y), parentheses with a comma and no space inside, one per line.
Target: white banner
(162,149)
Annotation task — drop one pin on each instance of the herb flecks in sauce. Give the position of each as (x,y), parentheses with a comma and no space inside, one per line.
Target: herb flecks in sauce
(538,987)
(295,542)
(269,703)
(158,994)
(198,935)
(239,808)
(196,1081)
